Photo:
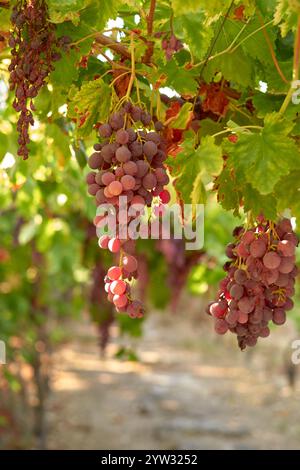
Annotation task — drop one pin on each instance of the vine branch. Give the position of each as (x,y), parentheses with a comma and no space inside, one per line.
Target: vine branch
(272,52)
(150,19)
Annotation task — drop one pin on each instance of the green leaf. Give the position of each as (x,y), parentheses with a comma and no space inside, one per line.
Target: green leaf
(286,15)
(198,195)
(263,158)
(182,80)
(183,117)
(92,103)
(195,31)
(66,10)
(257,203)
(228,192)
(288,193)
(192,6)
(205,161)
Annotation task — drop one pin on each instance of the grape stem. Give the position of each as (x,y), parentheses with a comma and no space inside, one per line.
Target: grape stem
(235,129)
(295,70)
(132,78)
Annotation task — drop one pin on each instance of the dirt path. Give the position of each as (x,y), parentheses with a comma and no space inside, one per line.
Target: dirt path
(190,390)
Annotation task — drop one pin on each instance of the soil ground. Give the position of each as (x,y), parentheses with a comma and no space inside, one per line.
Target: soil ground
(189,390)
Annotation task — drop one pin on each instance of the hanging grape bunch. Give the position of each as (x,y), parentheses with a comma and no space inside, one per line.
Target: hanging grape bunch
(170,45)
(129,162)
(34,48)
(259,285)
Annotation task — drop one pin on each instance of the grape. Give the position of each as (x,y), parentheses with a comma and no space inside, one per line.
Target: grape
(138,201)
(286,247)
(131,135)
(135,309)
(142,168)
(251,341)
(128,182)
(271,260)
(153,137)
(221,327)
(98,147)
(230,250)
(264,332)
(107,178)
(90,177)
(289,304)
(120,301)
(93,189)
(248,237)
(158,126)
(149,149)
(136,113)
(95,161)
(279,316)
(108,152)
(232,317)
(115,272)
(216,310)
(243,317)
(118,287)
(145,118)
(284,226)
(236,291)
(119,172)
(267,314)
(122,136)
(116,121)
(257,248)
(292,237)
(160,174)
(100,197)
(136,149)
(240,276)
(242,251)
(165,196)
(115,188)
(107,193)
(130,168)
(105,130)
(246,305)
(129,262)
(103,241)
(149,181)
(114,245)
(98,178)
(123,154)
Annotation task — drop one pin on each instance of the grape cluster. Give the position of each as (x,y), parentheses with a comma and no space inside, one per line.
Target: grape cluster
(128,162)
(260,281)
(34,48)
(170,45)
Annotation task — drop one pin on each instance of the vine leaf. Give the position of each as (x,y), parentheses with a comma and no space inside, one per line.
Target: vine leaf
(263,158)
(193,168)
(91,105)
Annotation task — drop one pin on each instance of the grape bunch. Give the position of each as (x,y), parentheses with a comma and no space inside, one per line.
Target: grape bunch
(34,49)
(128,162)
(259,285)
(170,45)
